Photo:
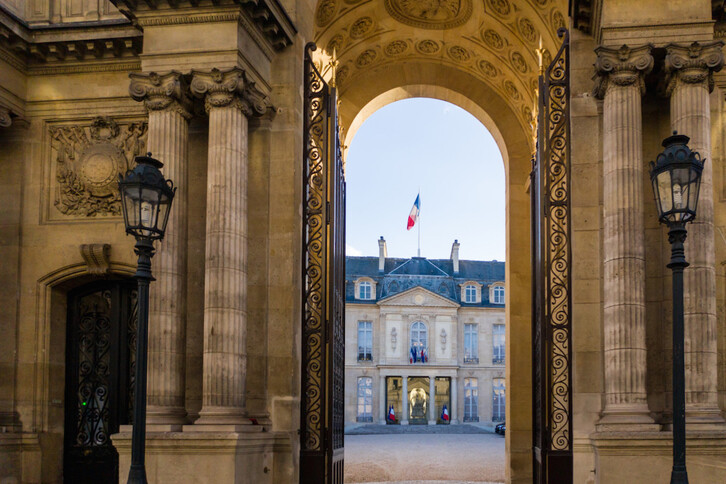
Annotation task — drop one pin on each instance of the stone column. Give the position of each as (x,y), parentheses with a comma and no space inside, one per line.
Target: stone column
(620,83)
(404,401)
(167,100)
(432,400)
(454,410)
(229,99)
(382,410)
(689,80)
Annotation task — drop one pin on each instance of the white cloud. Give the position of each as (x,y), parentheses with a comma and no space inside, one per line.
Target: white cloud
(350,250)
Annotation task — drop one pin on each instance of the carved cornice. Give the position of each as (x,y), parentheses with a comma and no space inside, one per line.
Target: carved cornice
(268,15)
(162,92)
(5,120)
(692,64)
(624,66)
(229,88)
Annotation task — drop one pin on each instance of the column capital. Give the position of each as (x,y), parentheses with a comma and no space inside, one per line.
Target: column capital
(623,66)
(5,119)
(692,64)
(161,92)
(230,88)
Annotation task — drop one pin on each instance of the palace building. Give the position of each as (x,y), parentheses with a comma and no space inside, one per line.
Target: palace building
(250,376)
(422,334)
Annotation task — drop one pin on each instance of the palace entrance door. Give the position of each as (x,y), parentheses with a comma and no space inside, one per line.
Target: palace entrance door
(100,359)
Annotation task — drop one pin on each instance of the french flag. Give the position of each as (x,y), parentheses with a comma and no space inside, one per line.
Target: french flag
(445,414)
(413,216)
(392,415)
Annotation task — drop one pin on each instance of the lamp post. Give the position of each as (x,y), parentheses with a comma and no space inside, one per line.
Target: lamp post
(146,198)
(676,179)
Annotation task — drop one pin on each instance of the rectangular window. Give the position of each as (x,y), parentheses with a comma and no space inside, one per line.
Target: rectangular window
(471,400)
(365,399)
(498,399)
(365,341)
(470,294)
(364,290)
(471,343)
(498,295)
(498,341)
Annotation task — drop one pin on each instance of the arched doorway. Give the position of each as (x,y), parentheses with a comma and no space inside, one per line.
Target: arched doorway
(100,360)
(485,57)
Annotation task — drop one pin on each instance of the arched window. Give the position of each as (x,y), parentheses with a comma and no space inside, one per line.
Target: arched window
(470,293)
(419,342)
(498,399)
(365,290)
(498,296)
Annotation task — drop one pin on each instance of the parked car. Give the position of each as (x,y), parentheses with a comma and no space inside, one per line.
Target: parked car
(501,428)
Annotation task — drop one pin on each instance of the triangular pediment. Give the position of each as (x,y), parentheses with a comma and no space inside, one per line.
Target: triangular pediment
(418,296)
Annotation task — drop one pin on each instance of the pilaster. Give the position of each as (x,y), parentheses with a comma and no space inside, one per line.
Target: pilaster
(167,100)
(229,98)
(620,83)
(689,80)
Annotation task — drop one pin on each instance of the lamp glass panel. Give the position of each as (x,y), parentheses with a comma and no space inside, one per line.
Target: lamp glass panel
(131,196)
(665,200)
(693,192)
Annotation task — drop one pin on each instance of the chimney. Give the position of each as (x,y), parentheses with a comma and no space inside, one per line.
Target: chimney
(455,256)
(382,254)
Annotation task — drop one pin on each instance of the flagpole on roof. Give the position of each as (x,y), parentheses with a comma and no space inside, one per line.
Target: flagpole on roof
(419,221)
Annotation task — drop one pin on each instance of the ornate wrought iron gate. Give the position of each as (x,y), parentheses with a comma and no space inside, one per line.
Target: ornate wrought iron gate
(100,360)
(323,325)
(551,276)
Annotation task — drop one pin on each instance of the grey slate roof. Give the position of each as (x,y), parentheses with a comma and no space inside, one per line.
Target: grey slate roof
(435,275)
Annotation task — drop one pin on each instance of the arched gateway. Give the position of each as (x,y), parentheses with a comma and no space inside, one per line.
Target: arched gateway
(374,53)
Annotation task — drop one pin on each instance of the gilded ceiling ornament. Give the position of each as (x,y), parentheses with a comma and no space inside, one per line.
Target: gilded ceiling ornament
(88,161)
(427,47)
(501,7)
(488,68)
(430,14)
(527,29)
(519,63)
(366,58)
(459,53)
(396,47)
(493,39)
(512,90)
(361,27)
(326,12)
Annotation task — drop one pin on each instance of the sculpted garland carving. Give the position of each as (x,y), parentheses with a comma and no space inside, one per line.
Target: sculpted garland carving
(692,64)
(621,67)
(430,14)
(88,161)
(229,88)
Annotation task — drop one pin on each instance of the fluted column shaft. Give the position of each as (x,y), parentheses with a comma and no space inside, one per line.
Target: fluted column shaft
(689,69)
(620,84)
(167,101)
(227,100)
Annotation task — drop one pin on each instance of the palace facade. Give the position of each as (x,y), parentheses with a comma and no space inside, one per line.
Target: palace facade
(422,334)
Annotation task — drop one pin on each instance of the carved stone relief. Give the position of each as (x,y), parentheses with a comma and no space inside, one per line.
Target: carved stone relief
(443,340)
(396,47)
(493,39)
(87,161)
(361,27)
(430,14)
(428,47)
(326,12)
(394,339)
(500,7)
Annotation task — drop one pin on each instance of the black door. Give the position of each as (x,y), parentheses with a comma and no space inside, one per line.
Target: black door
(100,356)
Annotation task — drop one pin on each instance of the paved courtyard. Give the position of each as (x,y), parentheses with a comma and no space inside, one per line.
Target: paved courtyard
(415,456)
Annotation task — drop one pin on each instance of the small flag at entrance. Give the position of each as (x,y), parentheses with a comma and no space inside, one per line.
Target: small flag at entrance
(413,216)
(391,414)
(445,414)
(414,355)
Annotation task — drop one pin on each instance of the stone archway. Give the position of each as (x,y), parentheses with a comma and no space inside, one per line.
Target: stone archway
(483,56)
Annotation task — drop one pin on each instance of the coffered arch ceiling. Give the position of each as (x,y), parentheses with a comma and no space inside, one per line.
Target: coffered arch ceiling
(495,41)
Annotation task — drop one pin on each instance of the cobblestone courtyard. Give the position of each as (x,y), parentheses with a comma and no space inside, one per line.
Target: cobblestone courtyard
(420,454)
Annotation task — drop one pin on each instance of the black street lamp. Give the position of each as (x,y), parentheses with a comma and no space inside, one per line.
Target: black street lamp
(676,178)
(146,198)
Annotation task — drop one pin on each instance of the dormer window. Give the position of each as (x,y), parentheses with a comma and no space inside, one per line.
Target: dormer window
(498,295)
(470,293)
(365,289)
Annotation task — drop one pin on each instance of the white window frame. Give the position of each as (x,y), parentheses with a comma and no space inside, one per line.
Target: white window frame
(498,294)
(365,290)
(470,293)
(467,295)
(364,411)
(419,337)
(471,343)
(365,347)
(499,347)
(471,400)
(499,399)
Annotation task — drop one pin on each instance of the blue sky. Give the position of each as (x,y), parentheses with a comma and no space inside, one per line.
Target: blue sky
(451,156)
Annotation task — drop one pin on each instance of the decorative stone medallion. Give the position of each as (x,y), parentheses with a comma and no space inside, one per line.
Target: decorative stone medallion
(366,58)
(88,160)
(397,47)
(527,29)
(488,68)
(459,53)
(427,47)
(430,14)
(501,7)
(361,27)
(326,12)
(493,39)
